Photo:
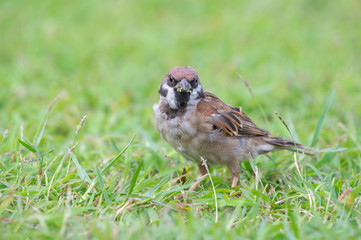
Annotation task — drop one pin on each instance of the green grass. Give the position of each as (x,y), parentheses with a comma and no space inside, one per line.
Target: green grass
(105,59)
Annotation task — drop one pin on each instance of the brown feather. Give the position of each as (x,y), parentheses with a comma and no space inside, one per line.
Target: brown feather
(232,121)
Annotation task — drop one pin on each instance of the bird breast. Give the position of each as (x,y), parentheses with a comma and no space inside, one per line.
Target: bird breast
(193,138)
(178,129)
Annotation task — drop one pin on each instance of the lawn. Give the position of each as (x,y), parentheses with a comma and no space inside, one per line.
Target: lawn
(79,154)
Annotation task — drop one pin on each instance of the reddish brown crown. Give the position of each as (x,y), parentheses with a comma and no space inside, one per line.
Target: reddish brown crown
(182,72)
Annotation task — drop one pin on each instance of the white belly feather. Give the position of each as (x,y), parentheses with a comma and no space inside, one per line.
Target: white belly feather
(179,132)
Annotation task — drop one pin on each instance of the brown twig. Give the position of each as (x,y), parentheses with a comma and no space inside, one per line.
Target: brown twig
(81,124)
(344,194)
(284,123)
(246,84)
(54,101)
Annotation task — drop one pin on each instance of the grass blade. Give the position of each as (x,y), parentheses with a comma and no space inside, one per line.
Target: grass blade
(325,159)
(214,189)
(82,173)
(156,187)
(105,193)
(54,177)
(317,172)
(127,165)
(254,169)
(86,194)
(40,135)
(27,146)
(323,116)
(5,203)
(114,145)
(134,179)
(332,150)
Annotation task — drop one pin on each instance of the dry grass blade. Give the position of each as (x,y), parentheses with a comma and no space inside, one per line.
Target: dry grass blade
(204,163)
(344,194)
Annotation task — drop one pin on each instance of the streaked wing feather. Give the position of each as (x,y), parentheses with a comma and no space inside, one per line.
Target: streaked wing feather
(230,120)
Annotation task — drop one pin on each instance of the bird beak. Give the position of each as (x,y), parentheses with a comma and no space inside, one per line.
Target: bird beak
(183,86)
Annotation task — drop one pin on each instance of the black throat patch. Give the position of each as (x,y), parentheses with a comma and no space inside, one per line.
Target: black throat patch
(181,98)
(170,112)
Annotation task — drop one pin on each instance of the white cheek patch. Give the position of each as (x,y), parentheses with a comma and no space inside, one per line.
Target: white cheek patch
(170,98)
(194,98)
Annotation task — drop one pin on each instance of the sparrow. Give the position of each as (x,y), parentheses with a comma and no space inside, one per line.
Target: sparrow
(197,124)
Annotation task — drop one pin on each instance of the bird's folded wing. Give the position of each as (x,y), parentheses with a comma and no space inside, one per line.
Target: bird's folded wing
(229,120)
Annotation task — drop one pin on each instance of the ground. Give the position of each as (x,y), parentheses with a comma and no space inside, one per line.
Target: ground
(78,81)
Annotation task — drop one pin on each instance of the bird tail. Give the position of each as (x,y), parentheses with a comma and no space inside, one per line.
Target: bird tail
(281,143)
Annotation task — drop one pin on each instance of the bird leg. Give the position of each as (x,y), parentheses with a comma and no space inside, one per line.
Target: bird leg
(234,181)
(235,169)
(202,171)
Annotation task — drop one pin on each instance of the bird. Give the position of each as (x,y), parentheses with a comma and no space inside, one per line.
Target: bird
(199,125)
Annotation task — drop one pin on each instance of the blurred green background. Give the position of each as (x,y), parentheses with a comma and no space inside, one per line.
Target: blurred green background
(107,58)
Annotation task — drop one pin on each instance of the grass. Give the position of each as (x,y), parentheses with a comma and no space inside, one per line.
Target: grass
(104,176)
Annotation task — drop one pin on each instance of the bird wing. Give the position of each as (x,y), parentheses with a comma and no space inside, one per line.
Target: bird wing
(231,121)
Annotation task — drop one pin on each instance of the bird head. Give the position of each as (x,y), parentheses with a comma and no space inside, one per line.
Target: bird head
(181,87)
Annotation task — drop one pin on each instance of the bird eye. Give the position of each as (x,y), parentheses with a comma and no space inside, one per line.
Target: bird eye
(171,80)
(194,82)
